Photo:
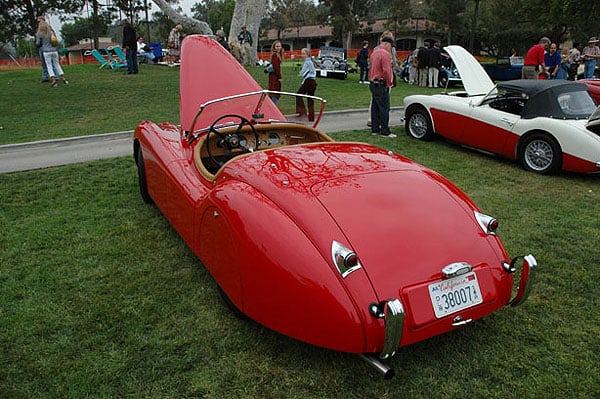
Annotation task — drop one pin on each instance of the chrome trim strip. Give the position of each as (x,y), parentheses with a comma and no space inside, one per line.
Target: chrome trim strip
(527,277)
(394,324)
(456,269)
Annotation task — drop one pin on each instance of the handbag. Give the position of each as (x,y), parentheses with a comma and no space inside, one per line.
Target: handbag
(54,40)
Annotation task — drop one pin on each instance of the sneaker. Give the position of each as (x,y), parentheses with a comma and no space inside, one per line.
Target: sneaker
(391,135)
(66,82)
(375,134)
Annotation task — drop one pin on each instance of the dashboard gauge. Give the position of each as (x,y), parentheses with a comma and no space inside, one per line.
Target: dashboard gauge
(243,142)
(273,138)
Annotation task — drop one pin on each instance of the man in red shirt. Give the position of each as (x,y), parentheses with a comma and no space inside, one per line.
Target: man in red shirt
(535,59)
(381,77)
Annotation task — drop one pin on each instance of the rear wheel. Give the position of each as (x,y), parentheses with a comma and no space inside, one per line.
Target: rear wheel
(541,154)
(142,177)
(418,125)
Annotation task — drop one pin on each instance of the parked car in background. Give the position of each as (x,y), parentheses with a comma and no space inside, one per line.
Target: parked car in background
(593,86)
(331,63)
(343,245)
(448,73)
(505,68)
(543,124)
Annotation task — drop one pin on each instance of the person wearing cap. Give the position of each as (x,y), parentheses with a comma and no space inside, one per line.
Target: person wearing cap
(130,47)
(381,77)
(245,39)
(534,63)
(220,37)
(590,54)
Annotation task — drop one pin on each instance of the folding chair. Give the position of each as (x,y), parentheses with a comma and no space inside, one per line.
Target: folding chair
(120,54)
(103,61)
(113,62)
(157,50)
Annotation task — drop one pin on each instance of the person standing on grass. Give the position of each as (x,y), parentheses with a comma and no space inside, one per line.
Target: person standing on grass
(275,75)
(45,76)
(174,43)
(245,39)
(309,86)
(362,60)
(590,55)
(534,64)
(130,47)
(381,76)
(44,41)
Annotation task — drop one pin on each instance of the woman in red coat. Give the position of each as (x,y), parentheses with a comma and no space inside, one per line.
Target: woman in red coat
(275,75)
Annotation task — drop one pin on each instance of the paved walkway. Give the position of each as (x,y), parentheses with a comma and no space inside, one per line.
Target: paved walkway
(49,153)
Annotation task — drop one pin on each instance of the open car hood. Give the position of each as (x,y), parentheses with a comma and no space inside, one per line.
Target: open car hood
(209,72)
(474,78)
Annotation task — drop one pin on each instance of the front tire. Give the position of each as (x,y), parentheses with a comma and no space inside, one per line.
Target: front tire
(141,167)
(418,125)
(540,153)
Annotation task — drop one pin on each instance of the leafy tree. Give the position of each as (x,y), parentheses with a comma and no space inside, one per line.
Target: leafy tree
(284,14)
(19,17)
(345,20)
(217,13)
(82,28)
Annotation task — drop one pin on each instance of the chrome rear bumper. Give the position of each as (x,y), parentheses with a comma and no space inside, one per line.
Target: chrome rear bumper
(527,278)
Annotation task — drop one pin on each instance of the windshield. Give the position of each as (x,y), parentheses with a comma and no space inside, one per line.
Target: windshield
(252,106)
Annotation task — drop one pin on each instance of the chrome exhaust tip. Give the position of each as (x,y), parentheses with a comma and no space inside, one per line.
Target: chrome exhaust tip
(386,371)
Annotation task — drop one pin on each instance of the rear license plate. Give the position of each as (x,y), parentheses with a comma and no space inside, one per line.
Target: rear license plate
(452,295)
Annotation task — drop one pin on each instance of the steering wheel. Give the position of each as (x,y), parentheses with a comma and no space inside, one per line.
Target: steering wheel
(230,141)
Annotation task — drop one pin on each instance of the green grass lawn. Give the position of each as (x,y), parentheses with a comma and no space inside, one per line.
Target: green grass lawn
(101,101)
(100,298)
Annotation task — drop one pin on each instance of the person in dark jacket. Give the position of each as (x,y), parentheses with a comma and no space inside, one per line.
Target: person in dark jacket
(435,62)
(130,47)
(362,60)
(423,63)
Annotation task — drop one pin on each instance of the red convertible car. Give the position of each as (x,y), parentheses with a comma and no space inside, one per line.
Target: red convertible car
(338,244)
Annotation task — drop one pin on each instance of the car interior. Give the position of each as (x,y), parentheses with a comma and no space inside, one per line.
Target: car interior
(509,102)
(223,143)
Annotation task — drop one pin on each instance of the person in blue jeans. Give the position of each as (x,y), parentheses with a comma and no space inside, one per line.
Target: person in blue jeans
(590,54)
(130,47)
(45,76)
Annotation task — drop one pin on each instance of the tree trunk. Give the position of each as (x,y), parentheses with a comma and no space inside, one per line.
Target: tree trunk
(248,13)
(190,24)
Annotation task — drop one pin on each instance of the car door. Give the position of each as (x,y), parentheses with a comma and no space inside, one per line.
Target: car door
(489,129)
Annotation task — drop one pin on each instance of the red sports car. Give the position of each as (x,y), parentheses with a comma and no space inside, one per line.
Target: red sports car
(342,245)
